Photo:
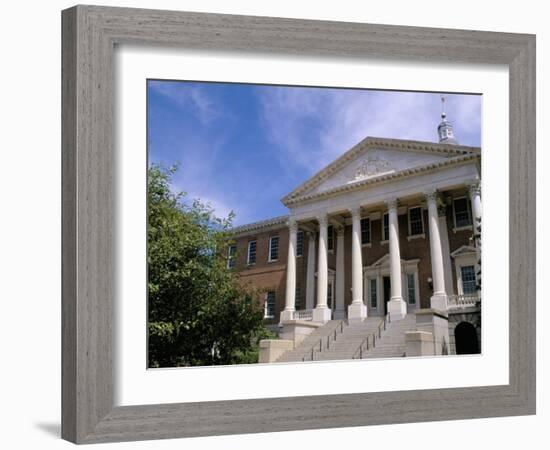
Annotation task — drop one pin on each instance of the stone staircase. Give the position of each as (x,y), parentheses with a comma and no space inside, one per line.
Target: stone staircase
(311,342)
(390,343)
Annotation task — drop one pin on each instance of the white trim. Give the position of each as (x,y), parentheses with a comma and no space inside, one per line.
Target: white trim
(462,260)
(248,263)
(302,233)
(419,235)
(367,244)
(231,258)
(416,236)
(468,209)
(382,240)
(269,260)
(459,153)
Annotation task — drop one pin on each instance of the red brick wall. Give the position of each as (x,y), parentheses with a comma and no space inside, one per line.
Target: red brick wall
(272,275)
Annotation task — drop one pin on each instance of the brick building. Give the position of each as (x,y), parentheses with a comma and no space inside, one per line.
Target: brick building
(385,230)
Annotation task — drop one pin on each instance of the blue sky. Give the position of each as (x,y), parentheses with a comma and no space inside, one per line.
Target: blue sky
(243,147)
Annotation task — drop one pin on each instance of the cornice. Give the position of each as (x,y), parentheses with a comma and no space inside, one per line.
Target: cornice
(374,142)
(261,225)
(382,179)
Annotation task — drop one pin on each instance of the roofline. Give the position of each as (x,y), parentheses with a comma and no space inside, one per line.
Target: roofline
(369,142)
(458,160)
(260,225)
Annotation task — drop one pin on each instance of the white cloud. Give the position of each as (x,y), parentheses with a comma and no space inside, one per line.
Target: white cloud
(342,118)
(189,97)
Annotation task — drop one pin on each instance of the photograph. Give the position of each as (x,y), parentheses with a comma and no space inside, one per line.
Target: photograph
(294,224)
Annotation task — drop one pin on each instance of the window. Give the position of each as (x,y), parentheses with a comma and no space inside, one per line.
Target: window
(251,259)
(365,231)
(416,225)
(273,248)
(270,305)
(298,298)
(411,288)
(468,277)
(329,295)
(231,252)
(386,227)
(373,293)
(300,243)
(462,212)
(330,238)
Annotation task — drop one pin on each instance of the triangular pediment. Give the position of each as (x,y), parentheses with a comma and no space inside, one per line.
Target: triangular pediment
(375,159)
(464,250)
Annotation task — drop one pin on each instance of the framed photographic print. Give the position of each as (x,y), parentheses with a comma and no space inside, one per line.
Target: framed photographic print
(268,219)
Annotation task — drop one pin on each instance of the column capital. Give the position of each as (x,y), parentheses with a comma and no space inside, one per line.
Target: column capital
(339,230)
(310,235)
(322,219)
(431,195)
(392,203)
(292,225)
(355,211)
(475,187)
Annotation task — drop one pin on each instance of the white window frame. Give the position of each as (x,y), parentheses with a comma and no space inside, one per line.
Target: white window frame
(300,235)
(384,241)
(420,235)
(330,237)
(297,298)
(369,293)
(462,261)
(266,308)
(231,258)
(248,263)
(416,290)
(475,278)
(366,244)
(468,209)
(269,249)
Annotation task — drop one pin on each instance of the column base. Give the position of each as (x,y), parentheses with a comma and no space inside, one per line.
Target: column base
(339,314)
(357,312)
(321,315)
(439,301)
(397,308)
(286,315)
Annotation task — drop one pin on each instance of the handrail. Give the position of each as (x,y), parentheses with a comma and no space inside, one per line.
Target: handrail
(319,343)
(378,332)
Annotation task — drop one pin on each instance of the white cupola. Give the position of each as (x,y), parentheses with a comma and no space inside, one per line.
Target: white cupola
(445,128)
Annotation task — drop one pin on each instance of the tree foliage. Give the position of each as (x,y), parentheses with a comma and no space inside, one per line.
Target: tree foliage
(199,313)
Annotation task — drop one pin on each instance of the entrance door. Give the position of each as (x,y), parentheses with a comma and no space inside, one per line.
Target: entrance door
(387,293)
(466,339)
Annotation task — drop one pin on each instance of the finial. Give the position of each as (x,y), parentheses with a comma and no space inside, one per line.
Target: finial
(445,129)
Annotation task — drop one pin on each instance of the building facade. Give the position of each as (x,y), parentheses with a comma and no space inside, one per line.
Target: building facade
(387,229)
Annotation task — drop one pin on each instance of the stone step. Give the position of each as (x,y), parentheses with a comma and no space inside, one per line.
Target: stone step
(389,342)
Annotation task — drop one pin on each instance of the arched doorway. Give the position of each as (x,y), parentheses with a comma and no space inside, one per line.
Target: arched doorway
(466,339)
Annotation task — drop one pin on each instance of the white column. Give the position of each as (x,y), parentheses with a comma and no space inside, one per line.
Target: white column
(290,293)
(475,199)
(397,308)
(357,311)
(322,312)
(310,282)
(340,311)
(446,249)
(439,298)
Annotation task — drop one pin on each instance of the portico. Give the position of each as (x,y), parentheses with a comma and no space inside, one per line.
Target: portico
(377,183)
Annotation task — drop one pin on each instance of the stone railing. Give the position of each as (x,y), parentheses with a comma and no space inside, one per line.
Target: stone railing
(303,314)
(462,301)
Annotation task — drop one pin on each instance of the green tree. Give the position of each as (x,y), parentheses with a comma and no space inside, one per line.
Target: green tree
(199,313)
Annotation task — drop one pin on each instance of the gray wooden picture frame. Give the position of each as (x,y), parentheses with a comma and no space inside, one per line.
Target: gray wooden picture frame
(89,35)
